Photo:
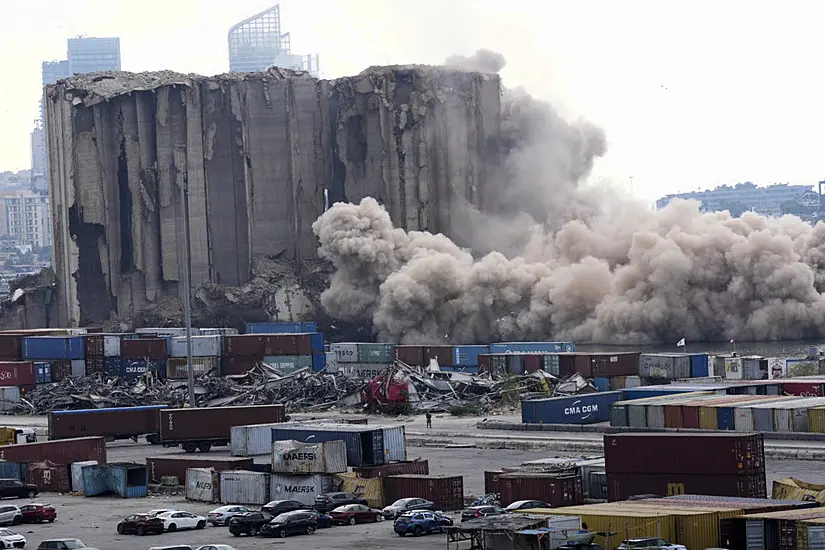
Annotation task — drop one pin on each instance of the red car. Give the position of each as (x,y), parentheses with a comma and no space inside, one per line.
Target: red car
(140,524)
(355,513)
(38,513)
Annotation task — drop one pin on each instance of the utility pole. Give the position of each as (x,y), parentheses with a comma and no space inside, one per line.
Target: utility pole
(187,292)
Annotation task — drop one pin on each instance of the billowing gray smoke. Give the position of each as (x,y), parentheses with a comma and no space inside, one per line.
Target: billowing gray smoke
(563,261)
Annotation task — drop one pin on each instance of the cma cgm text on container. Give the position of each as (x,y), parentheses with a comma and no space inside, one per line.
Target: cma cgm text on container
(575,409)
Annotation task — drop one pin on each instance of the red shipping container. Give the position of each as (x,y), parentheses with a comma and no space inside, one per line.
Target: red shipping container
(411,355)
(287,344)
(11,347)
(491,482)
(61,370)
(17,373)
(615,364)
(214,422)
(62,451)
(239,365)
(811,389)
(485,363)
(444,354)
(554,489)
(244,345)
(143,348)
(533,362)
(673,416)
(621,486)
(51,477)
(421,467)
(95,361)
(176,465)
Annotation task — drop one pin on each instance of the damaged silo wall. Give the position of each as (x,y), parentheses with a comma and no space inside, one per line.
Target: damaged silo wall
(256,153)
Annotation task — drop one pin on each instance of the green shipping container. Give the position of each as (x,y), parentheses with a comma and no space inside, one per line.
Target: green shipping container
(288,364)
(376,353)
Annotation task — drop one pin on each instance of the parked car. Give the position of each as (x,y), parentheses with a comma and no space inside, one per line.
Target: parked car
(323,520)
(222,515)
(290,523)
(140,524)
(278,507)
(176,547)
(38,513)
(526,505)
(474,512)
(159,511)
(421,523)
(355,513)
(579,546)
(179,519)
(61,544)
(649,544)
(407,505)
(11,539)
(248,523)
(215,547)
(16,488)
(331,501)
(10,515)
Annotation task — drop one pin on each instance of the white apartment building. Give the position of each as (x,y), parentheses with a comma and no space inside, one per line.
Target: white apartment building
(27,218)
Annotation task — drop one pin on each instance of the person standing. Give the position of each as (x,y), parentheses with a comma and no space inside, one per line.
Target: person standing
(429,420)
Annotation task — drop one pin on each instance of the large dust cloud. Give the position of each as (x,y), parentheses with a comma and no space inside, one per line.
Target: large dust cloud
(561,260)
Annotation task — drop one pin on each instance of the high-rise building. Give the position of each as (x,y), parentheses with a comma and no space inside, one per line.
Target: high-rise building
(91,55)
(256,43)
(52,71)
(27,218)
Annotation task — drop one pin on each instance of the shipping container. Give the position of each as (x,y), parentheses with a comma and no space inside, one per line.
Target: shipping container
(366,371)
(61,369)
(251,440)
(132,369)
(554,489)
(602,384)
(202,346)
(693,453)
(666,366)
(244,487)
(42,373)
(331,361)
(53,347)
(365,444)
(203,485)
(239,365)
(11,347)
(111,423)
(732,368)
(792,415)
(699,365)
(319,361)
(626,523)
(94,353)
(144,348)
(122,479)
(597,486)
(576,409)
(212,425)
(609,364)
(244,345)
(78,368)
(421,467)
(754,367)
(744,414)
(176,465)
(295,457)
(281,327)
(111,345)
(17,373)
(223,331)
(442,354)
(621,486)
(371,489)
(446,492)
(301,488)
(154,332)
(177,368)
(49,477)
(349,352)
(467,356)
(9,398)
(64,451)
(532,347)
(76,473)
(288,364)
(292,344)
(804,388)
(411,355)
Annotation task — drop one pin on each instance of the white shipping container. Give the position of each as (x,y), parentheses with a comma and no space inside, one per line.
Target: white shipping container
(244,487)
(167,331)
(111,345)
(295,457)
(223,331)
(733,368)
(202,346)
(77,474)
(202,485)
(251,440)
(9,397)
(79,368)
(367,371)
(332,362)
(300,488)
(395,443)
(345,353)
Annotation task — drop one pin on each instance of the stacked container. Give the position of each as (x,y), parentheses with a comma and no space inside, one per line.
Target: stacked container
(290,350)
(726,464)
(366,445)
(365,360)
(206,353)
(65,354)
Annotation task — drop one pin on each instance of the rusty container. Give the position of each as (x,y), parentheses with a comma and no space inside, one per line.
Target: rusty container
(411,355)
(11,347)
(177,464)
(621,486)
(144,348)
(95,357)
(420,467)
(673,416)
(239,364)
(50,477)
(61,369)
(485,363)
(652,453)
(444,355)
(575,363)
(615,364)
(244,345)
(492,483)
(557,490)
(533,362)
(288,344)
(215,422)
(447,492)
(111,423)
(62,451)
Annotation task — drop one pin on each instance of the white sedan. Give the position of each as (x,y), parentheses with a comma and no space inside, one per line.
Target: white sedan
(215,547)
(178,519)
(11,539)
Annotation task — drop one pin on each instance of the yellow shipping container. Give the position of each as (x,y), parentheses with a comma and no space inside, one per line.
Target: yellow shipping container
(802,532)
(696,526)
(796,489)
(816,420)
(8,436)
(707,418)
(372,488)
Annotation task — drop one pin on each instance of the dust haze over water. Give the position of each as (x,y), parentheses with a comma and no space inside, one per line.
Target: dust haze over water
(557,259)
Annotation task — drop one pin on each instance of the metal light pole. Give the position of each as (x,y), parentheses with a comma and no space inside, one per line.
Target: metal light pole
(187,293)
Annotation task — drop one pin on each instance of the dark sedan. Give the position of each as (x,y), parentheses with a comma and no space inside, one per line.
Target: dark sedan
(474,512)
(331,501)
(355,513)
(249,523)
(140,524)
(323,520)
(278,507)
(299,522)
(16,488)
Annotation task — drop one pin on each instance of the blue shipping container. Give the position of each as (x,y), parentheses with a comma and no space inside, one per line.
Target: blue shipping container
(725,418)
(132,369)
(317,341)
(319,361)
(281,327)
(575,409)
(699,365)
(602,383)
(533,347)
(467,356)
(109,409)
(14,470)
(54,347)
(42,373)
(365,445)
(655,391)
(124,480)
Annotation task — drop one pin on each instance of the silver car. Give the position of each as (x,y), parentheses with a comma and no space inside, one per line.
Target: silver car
(222,515)
(403,505)
(10,515)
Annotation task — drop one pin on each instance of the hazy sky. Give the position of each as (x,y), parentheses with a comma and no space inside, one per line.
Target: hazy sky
(691,94)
